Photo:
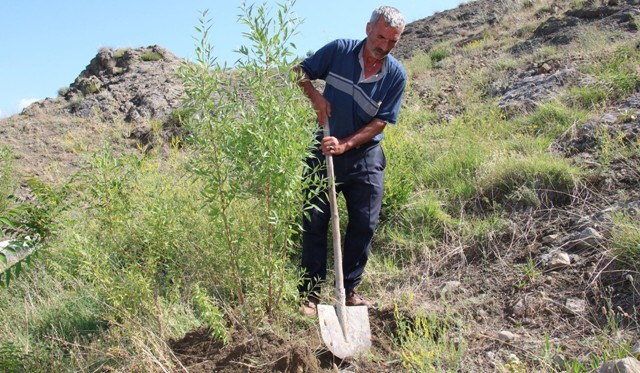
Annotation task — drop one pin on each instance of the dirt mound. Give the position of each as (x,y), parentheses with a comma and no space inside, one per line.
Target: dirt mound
(198,351)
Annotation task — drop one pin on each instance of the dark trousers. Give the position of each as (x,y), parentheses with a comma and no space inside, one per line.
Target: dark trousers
(360,178)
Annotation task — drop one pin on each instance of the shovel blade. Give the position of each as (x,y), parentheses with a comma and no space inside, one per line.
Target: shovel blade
(358,333)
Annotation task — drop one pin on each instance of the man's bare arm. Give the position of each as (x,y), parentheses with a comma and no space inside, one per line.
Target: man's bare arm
(335,146)
(320,104)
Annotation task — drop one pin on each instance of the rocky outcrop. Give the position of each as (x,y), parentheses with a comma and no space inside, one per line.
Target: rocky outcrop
(134,84)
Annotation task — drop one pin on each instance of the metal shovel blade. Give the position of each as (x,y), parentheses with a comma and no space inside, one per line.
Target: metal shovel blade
(356,336)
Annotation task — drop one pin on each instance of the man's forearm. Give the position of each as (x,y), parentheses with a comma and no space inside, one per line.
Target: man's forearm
(305,83)
(364,134)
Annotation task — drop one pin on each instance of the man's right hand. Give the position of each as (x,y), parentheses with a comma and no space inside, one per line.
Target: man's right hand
(322,107)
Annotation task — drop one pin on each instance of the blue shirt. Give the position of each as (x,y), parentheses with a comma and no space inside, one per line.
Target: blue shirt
(355,101)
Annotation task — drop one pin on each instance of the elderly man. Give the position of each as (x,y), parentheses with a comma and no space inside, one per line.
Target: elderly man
(364,90)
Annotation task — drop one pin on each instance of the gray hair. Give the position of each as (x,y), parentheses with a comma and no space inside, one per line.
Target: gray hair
(391,15)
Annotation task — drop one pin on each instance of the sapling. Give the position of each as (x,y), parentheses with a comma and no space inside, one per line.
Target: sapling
(251,128)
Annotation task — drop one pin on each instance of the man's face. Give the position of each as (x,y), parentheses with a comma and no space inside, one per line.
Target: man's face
(381,38)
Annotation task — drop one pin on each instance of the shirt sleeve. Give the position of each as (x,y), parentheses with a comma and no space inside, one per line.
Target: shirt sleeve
(317,66)
(390,107)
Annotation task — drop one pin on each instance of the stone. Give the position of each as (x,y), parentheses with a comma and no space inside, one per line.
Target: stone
(635,350)
(559,361)
(586,239)
(549,239)
(559,260)
(575,306)
(449,287)
(519,308)
(626,365)
(507,336)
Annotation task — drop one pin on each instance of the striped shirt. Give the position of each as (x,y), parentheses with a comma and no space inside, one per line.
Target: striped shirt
(355,101)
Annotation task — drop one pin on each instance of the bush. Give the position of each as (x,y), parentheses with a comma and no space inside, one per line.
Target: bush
(515,181)
(250,156)
(151,56)
(625,240)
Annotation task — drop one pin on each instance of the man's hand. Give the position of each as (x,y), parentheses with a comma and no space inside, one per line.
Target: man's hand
(332,146)
(320,104)
(322,107)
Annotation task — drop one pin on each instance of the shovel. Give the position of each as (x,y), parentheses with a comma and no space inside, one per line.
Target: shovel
(345,330)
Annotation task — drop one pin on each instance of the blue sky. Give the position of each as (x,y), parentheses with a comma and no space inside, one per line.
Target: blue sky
(45,44)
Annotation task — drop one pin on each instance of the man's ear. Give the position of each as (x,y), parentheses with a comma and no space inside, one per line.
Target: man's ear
(369,26)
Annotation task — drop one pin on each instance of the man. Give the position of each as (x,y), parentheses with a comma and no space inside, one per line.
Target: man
(364,90)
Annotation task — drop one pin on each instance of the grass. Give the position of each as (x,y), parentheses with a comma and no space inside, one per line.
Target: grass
(151,57)
(625,240)
(429,343)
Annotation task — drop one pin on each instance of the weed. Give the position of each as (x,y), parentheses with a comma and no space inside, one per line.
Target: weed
(527,273)
(625,239)
(11,358)
(211,313)
(438,54)
(551,179)
(428,344)
(549,120)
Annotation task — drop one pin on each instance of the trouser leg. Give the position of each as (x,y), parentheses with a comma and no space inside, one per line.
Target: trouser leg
(363,194)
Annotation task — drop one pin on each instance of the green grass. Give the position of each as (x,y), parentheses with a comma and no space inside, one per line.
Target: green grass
(430,343)
(520,181)
(151,56)
(625,240)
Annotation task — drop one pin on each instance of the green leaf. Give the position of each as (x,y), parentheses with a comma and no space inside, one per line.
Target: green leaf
(18,269)
(5,221)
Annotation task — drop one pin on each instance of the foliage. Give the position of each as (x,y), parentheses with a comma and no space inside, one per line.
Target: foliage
(211,313)
(518,181)
(428,343)
(151,56)
(625,240)
(615,76)
(27,225)
(549,120)
(438,54)
(11,358)
(251,150)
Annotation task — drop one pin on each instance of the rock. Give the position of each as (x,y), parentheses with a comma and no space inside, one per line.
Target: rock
(490,355)
(549,239)
(575,306)
(527,92)
(134,84)
(449,287)
(586,239)
(519,308)
(635,350)
(626,365)
(507,336)
(559,361)
(559,260)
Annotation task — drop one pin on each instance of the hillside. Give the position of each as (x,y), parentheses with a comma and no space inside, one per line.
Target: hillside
(510,239)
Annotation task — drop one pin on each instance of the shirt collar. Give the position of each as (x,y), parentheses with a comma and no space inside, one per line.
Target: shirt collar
(373,78)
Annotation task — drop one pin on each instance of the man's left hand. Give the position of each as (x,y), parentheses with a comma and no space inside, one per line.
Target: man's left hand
(331,146)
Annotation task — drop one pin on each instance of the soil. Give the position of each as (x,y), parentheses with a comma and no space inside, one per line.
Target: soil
(198,351)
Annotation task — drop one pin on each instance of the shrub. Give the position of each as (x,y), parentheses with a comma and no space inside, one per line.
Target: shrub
(549,120)
(516,181)
(625,240)
(151,56)
(428,343)
(438,54)
(250,154)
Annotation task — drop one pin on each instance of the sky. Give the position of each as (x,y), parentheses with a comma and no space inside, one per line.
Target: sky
(45,44)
